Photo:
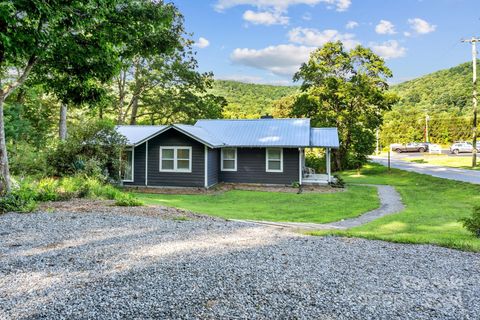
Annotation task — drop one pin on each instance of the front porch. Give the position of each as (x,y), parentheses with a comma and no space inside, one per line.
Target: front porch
(310,177)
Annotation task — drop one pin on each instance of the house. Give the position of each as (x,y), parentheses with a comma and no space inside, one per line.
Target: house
(260,151)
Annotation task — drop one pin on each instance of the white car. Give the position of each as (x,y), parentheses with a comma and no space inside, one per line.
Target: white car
(459,147)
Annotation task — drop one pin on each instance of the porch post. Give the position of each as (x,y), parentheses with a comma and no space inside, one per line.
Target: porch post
(205,173)
(329,170)
(146,163)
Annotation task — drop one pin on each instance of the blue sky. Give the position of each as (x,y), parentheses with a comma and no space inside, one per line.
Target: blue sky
(264,41)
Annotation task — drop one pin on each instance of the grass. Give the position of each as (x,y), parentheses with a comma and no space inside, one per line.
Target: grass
(274,206)
(433,208)
(461,162)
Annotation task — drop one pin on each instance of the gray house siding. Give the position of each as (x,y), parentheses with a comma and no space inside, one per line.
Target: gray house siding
(251,168)
(138,166)
(213,166)
(173,138)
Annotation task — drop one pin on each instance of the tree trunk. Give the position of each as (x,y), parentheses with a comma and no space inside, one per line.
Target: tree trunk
(133,115)
(5,184)
(62,125)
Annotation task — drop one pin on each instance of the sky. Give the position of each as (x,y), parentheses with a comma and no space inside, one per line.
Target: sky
(265,41)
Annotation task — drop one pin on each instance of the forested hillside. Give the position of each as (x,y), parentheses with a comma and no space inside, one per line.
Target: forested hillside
(444,96)
(445,90)
(247,100)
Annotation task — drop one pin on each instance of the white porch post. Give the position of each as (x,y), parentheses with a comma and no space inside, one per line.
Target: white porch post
(329,170)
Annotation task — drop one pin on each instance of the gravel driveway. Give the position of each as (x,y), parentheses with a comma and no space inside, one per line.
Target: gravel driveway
(106,266)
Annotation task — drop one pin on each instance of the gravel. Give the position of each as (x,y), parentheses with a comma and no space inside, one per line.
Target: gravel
(115,266)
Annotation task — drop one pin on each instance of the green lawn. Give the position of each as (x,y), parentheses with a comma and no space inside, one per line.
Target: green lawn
(443,160)
(433,207)
(274,206)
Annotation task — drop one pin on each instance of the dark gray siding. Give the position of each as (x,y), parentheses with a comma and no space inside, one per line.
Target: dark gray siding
(138,166)
(251,168)
(171,137)
(213,166)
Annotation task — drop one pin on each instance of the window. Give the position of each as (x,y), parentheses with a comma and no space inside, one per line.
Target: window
(274,160)
(229,159)
(127,170)
(176,159)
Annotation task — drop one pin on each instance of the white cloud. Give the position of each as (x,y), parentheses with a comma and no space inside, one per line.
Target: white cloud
(317,38)
(351,25)
(389,49)
(385,27)
(283,60)
(281,5)
(265,17)
(421,26)
(407,34)
(202,43)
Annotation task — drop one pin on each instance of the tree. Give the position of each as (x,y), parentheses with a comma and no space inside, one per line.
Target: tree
(347,90)
(60,38)
(165,87)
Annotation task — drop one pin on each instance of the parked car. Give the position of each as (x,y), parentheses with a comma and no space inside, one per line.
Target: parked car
(409,147)
(460,147)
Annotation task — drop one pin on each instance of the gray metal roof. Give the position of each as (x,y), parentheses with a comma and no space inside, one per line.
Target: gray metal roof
(243,133)
(200,134)
(324,137)
(135,134)
(260,132)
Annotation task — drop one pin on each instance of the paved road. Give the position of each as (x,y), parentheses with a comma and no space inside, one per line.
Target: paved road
(464,175)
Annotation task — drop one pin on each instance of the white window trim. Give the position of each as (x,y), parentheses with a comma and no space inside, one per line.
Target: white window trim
(133,165)
(235,160)
(266,160)
(175,169)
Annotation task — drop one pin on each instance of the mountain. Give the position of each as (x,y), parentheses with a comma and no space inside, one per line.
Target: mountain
(247,100)
(448,90)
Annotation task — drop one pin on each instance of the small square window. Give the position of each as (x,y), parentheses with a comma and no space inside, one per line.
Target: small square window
(229,159)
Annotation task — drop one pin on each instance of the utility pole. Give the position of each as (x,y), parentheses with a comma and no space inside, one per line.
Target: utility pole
(474,41)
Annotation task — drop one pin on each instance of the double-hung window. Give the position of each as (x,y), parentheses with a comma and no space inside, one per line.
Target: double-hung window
(127,168)
(229,159)
(274,160)
(176,159)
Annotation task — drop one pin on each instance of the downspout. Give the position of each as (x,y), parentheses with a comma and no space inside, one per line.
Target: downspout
(206,167)
(146,163)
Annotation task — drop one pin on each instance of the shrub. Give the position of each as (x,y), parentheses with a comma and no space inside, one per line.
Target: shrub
(472,224)
(337,182)
(127,200)
(26,160)
(92,150)
(21,199)
(46,190)
(316,160)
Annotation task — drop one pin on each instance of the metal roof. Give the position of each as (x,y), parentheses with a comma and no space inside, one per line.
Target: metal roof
(200,134)
(260,132)
(324,137)
(243,133)
(135,134)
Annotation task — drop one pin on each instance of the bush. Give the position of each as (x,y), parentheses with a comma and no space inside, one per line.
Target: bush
(127,200)
(26,160)
(337,182)
(21,199)
(92,150)
(473,224)
(316,160)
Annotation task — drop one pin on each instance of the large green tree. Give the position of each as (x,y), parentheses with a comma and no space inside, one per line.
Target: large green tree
(347,90)
(78,42)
